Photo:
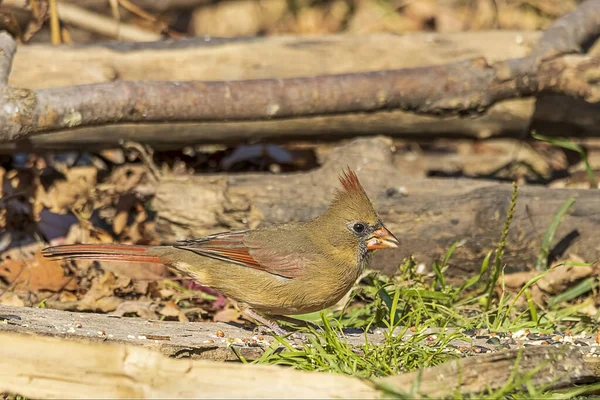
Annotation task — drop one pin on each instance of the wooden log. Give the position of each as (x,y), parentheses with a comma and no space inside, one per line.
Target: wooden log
(539,366)
(45,367)
(54,368)
(39,66)
(427,215)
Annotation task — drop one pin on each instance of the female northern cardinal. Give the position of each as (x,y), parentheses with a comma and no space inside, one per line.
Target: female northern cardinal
(291,268)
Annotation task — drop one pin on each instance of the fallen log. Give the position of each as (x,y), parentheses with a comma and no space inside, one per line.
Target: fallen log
(427,215)
(41,67)
(45,367)
(53,368)
(400,102)
(539,366)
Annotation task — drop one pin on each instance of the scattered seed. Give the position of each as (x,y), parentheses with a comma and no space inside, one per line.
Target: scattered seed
(220,333)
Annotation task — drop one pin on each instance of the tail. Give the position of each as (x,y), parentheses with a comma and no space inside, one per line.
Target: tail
(101,252)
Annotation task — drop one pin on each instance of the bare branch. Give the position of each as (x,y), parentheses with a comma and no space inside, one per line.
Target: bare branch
(461,88)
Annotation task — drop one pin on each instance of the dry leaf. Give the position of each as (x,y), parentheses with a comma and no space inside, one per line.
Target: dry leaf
(70,193)
(101,296)
(559,278)
(11,299)
(227,315)
(36,274)
(145,309)
(120,222)
(170,309)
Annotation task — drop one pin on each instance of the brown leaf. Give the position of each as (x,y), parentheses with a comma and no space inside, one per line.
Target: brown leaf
(36,274)
(145,309)
(227,315)
(562,277)
(11,299)
(101,296)
(170,309)
(120,222)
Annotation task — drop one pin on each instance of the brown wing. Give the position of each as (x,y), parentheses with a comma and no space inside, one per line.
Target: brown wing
(241,249)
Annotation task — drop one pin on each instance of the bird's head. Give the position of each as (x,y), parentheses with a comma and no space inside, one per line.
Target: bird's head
(351,223)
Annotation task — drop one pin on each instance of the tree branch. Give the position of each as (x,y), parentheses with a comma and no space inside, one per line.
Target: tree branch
(468,88)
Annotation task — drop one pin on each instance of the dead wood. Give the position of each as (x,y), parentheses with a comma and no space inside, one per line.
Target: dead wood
(36,366)
(547,366)
(54,368)
(427,215)
(470,88)
(40,66)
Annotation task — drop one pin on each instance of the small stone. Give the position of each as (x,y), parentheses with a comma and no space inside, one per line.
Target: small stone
(493,340)
(580,343)
(480,349)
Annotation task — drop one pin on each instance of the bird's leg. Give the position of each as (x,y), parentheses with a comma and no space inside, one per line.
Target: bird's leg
(272,325)
(298,322)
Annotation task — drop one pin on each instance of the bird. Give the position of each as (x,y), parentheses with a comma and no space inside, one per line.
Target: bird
(279,270)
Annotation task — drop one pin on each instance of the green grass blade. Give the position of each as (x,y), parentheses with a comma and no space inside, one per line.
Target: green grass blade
(541,263)
(571,145)
(582,287)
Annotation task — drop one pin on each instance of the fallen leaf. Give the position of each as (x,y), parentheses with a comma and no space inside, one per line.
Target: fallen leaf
(101,296)
(11,299)
(36,274)
(69,193)
(561,277)
(227,315)
(145,309)
(170,309)
(120,222)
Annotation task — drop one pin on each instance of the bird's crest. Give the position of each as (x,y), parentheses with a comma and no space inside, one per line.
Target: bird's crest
(350,181)
(353,196)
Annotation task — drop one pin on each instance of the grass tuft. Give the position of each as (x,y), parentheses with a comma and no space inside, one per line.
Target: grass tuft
(418,315)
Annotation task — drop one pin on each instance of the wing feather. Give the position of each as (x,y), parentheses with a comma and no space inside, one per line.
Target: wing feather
(241,249)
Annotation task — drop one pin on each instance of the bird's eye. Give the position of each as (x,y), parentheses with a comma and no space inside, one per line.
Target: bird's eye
(359,227)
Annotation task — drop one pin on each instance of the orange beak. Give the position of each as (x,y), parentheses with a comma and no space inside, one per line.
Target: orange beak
(382,239)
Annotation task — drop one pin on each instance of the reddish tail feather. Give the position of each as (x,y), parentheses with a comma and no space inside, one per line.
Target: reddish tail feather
(101,252)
